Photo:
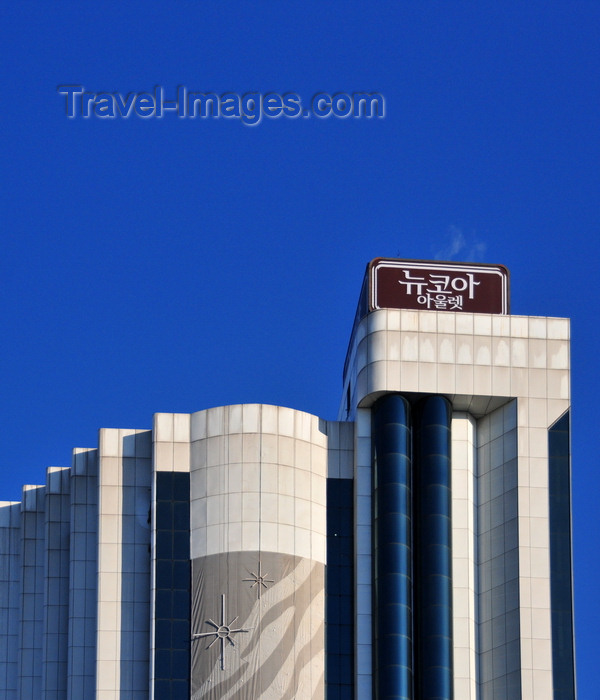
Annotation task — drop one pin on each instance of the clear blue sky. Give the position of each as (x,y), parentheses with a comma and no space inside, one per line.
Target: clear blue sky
(176,264)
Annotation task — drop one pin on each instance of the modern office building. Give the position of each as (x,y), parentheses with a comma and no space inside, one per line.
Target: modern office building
(418,547)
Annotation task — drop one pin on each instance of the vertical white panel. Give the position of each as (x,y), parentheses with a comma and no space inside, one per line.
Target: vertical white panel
(123,638)
(362,560)
(464,556)
(56,585)
(32,593)
(136,558)
(83,569)
(10,577)
(108,640)
(498,549)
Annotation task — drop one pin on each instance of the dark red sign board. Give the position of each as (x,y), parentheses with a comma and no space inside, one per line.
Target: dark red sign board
(438,286)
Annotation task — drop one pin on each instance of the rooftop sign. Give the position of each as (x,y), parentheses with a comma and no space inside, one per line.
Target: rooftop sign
(438,286)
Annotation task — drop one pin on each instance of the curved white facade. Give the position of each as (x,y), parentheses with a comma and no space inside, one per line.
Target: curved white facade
(258,480)
(258,543)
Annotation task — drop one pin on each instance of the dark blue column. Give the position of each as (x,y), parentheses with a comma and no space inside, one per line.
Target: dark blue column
(432,548)
(173,581)
(339,589)
(561,584)
(392,567)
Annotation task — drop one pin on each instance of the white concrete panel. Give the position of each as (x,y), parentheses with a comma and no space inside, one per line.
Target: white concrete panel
(215,421)
(464,323)
(181,427)
(198,429)
(482,350)
(558,328)
(181,457)
(163,427)
(251,418)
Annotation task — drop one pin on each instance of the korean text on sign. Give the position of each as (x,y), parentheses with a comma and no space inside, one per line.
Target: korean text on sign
(440,292)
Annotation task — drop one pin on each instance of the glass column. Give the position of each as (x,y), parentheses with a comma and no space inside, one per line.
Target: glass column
(432,549)
(172,604)
(561,584)
(392,585)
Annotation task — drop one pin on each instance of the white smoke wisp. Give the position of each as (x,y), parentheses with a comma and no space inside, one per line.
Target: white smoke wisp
(459,246)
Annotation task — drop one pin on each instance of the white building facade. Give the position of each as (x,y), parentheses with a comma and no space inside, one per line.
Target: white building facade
(418,547)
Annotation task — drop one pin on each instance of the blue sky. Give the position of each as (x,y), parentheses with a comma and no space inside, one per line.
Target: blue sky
(172,265)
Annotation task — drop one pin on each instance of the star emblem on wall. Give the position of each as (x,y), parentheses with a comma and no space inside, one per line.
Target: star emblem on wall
(258,579)
(223,632)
